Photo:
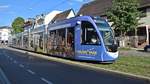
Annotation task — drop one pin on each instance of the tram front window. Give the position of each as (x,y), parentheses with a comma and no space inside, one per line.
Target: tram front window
(108,38)
(107,35)
(106,32)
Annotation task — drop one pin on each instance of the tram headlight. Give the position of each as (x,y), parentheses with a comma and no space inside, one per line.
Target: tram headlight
(108,49)
(112,48)
(78,22)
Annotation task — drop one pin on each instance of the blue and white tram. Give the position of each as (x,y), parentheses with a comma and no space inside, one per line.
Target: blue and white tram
(82,38)
(37,39)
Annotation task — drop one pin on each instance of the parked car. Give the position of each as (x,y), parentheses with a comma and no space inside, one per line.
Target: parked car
(147,48)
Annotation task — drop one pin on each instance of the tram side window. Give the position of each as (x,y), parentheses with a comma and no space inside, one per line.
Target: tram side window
(88,34)
(41,40)
(31,43)
(52,39)
(25,41)
(70,38)
(61,38)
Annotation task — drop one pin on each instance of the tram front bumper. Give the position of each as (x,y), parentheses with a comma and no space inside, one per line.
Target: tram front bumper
(110,56)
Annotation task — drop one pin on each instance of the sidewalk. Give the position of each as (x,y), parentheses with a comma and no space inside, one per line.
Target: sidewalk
(134,52)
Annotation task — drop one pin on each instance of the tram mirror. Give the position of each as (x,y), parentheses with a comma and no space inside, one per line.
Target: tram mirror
(78,22)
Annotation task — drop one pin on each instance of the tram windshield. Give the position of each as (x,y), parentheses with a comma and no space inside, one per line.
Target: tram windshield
(105,31)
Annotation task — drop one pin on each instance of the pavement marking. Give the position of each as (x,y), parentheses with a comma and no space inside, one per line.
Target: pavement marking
(46,81)
(21,65)
(30,71)
(3,78)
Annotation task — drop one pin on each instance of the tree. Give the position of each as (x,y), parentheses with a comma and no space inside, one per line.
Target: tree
(124,15)
(17,25)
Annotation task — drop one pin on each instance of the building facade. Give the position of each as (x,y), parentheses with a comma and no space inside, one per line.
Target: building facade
(99,8)
(4,34)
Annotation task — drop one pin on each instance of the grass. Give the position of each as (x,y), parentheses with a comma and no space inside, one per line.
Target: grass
(39,50)
(125,48)
(130,64)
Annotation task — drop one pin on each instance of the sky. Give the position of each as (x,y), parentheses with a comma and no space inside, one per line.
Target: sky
(10,9)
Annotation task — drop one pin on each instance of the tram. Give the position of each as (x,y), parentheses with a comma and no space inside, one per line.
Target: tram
(81,38)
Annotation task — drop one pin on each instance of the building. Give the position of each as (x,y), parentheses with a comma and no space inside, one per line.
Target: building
(63,15)
(29,23)
(49,17)
(4,34)
(39,20)
(45,19)
(99,8)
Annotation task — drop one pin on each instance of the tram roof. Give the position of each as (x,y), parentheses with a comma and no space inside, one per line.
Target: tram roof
(38,29)
(68,22)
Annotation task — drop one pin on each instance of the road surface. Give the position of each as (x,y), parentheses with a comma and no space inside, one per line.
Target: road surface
(21,68)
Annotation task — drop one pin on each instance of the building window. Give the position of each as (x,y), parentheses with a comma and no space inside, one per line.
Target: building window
(143,13)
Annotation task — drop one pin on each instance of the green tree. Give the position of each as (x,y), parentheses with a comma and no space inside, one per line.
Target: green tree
(125,16)
(17,25)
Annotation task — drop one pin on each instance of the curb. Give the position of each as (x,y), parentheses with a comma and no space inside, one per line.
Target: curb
(84,65)
(3,78)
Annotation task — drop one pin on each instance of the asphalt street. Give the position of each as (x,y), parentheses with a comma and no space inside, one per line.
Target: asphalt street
(21,68)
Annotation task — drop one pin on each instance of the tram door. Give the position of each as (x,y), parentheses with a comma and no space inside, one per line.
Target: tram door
(69,49)
(38,41)
(149,38)
(87,46)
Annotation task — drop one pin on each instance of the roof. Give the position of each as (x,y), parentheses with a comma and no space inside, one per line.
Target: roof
(99,7)
(62,15)
(49,17)
(27,23)
(144,3)
(95,8)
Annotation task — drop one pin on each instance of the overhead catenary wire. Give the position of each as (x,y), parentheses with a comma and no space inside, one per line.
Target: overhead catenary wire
(62,2)
(51,7)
